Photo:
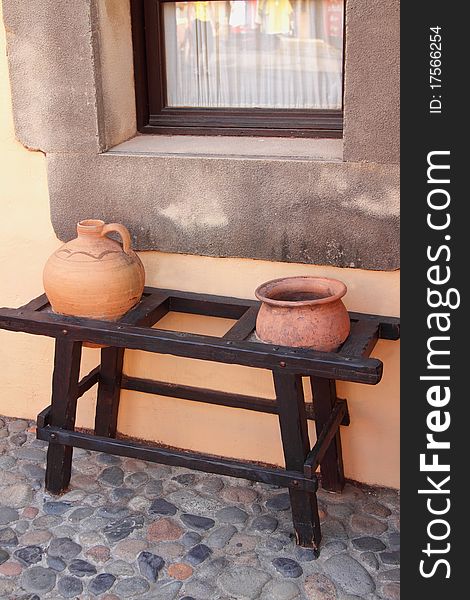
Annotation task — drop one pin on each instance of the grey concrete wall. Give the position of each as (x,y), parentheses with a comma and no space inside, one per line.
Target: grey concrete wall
(116,70)
(52,71)
(335,213)
(71,75)
(372,81)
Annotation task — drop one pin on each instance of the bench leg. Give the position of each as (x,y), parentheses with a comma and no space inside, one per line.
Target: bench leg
(296,446)
(109,390)
(331,468)
(63,410)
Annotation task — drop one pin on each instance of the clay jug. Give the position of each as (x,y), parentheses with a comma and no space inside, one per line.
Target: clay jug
(94,276)
(305,312)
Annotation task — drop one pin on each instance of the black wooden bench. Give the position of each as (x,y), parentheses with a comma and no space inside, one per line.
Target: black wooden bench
(56,423)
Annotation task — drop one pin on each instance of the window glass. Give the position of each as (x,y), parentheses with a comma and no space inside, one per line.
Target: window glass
(277,54)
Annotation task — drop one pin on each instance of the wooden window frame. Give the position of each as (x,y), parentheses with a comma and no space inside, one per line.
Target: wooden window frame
(153,117)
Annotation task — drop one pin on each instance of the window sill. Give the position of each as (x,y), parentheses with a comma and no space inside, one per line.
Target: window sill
(326,150)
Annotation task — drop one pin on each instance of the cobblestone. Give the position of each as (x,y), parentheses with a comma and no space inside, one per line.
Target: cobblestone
(279,502)
(164,530)
(368,543)
(180,571)
(56,563)
(82,568)
(349,574)
(16,495)
(150,565)
(7,515)
(319,587)
(131,529)
(391,591)
(265,523)
(232,514)
(245,582)
(287,567)
(160,506)
(121,567)
(38,579)
(221,536)
(198,554)
(69,587)
(64,548)
(370,560)
(367,524)
(129,549)
(390,558)
(191,538)
(280,590)
(101,583)
(29,555)
(10,569)
(197,522)
(8,537)
(131,587)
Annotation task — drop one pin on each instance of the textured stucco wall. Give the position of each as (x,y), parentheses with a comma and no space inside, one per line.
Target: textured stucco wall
(113,41)
(372,81)
(247,207)
(73,96)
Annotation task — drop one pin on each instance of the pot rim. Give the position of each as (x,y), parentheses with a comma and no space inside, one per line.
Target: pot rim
(263,291)
(90,226)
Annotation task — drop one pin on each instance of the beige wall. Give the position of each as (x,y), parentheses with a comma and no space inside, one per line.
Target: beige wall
(371,444)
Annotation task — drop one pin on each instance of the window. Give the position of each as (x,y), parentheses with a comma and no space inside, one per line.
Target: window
(252,67)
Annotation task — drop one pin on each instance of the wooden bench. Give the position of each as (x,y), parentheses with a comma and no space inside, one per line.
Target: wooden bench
(56,423)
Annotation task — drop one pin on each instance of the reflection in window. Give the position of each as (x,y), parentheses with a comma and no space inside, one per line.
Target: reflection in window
(254,54)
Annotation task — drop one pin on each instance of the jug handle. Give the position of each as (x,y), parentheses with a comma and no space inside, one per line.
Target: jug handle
(122,231)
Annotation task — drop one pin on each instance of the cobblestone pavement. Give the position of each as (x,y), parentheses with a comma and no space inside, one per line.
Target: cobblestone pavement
(129,529)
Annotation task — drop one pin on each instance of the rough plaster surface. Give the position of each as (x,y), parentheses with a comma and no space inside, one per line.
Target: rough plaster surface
(116,71)
(336,213)
(51,63)
(66,63)
(372,81)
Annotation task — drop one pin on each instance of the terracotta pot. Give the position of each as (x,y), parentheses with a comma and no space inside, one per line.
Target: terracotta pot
(94,276)
(305,312)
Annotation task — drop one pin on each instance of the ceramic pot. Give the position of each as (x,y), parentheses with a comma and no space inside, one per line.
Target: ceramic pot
(94,276)
(305,312)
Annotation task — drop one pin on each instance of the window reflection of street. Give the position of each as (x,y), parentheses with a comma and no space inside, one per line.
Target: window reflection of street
(254,53)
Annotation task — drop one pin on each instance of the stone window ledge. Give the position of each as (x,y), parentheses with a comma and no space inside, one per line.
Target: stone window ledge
(325,150)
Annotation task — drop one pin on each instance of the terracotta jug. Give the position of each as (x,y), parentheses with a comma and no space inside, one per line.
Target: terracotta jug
(94,276)
(305,312)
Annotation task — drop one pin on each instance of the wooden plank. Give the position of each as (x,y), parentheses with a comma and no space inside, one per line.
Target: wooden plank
(179,458)
(42,420)
(361,340)
(318,452)
(186,392)
(325,402)
(88,381)
(149,310)
(267,356)
(206,307)
(244,326)
(63,409)
(296,446)
(36,304)
(205,297)
(109,391)
(389,327)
